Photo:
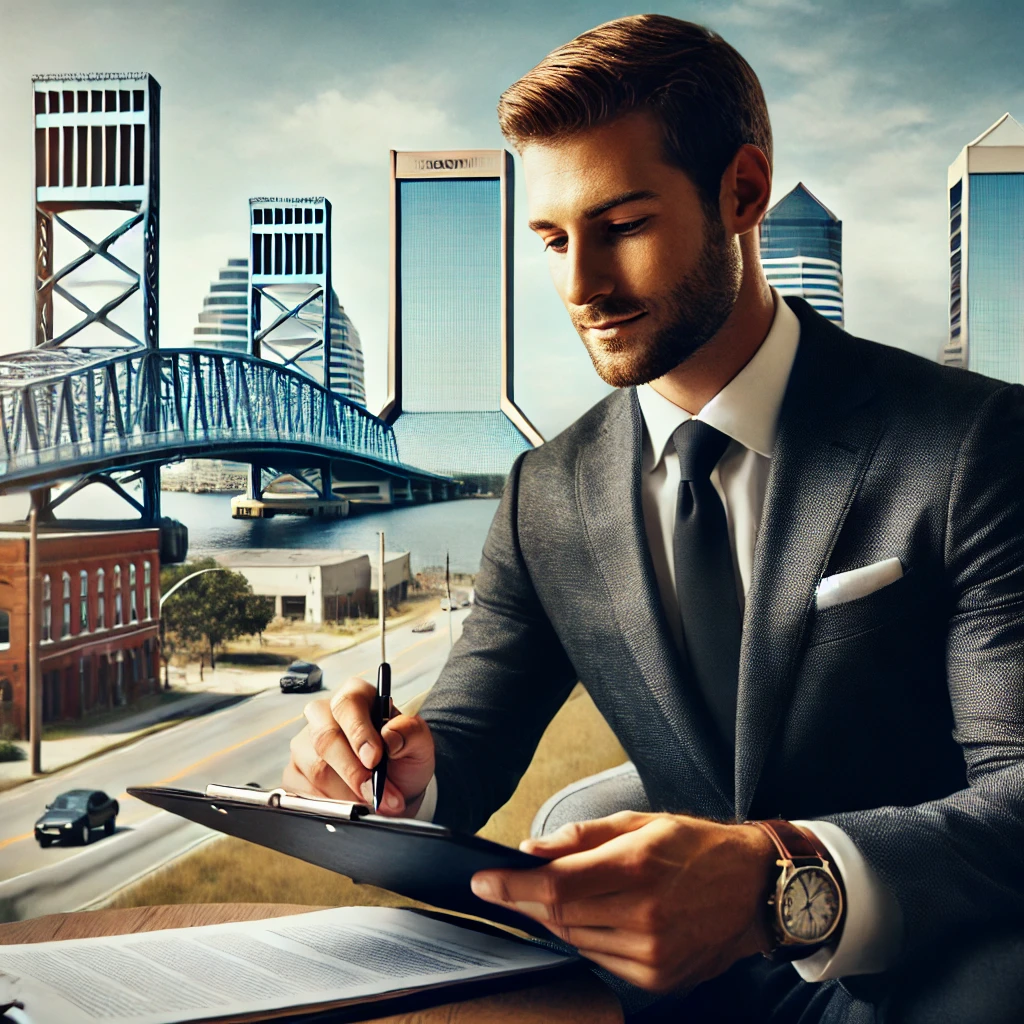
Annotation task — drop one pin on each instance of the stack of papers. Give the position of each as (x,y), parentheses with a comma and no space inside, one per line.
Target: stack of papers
(328,958)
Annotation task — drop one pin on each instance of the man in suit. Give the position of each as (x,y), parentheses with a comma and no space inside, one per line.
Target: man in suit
(787,564)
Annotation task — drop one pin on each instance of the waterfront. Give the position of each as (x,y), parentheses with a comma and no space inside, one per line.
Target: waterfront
(426,531)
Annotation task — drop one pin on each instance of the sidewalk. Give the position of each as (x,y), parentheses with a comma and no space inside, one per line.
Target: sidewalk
(219,689)
(227,684)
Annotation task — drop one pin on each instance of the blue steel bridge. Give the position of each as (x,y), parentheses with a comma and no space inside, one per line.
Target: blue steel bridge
(69,413)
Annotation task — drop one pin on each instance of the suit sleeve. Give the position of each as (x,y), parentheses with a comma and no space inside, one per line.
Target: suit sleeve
(956,865)
(505,678)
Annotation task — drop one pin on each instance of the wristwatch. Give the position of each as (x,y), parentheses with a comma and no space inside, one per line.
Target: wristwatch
(807,906)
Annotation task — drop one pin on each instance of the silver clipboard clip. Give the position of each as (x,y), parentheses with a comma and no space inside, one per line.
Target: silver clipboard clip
(346,809)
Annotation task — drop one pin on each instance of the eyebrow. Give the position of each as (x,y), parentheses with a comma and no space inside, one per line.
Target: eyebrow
(596,211)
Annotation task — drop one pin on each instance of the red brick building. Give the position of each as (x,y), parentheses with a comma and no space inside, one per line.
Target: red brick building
(99,604)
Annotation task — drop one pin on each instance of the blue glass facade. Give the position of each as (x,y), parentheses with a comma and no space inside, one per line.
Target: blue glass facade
(802,252)
(995,275)
(799,225)
(453,347)
(451,295)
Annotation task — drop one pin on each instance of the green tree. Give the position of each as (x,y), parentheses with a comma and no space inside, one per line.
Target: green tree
(257,613)
(213,608)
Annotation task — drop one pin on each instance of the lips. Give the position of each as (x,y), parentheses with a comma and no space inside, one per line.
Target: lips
(607,325)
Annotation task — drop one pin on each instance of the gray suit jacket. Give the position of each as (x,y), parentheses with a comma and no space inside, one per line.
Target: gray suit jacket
(898,716)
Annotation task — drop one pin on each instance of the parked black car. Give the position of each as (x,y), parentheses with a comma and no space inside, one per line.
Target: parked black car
(72,817)
(302,675)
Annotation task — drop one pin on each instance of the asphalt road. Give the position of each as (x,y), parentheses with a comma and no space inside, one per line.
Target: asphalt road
(247,742)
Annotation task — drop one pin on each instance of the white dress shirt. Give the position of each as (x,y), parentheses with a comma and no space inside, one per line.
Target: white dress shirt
(747,411)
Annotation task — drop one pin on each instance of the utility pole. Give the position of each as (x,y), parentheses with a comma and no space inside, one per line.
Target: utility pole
(35,683)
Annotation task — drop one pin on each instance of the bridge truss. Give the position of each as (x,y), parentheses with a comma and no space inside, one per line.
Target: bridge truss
(67,413)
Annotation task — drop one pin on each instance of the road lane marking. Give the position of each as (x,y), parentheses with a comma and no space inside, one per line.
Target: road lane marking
(226,750)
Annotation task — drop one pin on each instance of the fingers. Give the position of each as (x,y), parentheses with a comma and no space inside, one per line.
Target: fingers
(333,756)
(585,835)
(349,708)
(408,738)
(332,746)
(308,774)
(612,867)
(619,910)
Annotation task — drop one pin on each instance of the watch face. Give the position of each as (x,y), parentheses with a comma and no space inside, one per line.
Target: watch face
(810,904)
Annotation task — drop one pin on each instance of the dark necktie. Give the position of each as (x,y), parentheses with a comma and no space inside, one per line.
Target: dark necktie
(705,578)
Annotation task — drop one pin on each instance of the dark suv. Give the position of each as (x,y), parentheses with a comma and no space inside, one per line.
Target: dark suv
(72,817)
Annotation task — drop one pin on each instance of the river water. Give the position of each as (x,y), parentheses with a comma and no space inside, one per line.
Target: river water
(428,532)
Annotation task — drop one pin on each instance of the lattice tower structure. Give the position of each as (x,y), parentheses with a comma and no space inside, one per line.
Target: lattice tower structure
(290,283)
(223,324)
(97,152)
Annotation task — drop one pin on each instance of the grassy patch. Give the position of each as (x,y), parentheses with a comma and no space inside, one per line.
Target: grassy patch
(249,659)
(71,729)
(577,743)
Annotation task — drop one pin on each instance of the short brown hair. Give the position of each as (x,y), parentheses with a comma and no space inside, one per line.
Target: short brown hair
(705,95)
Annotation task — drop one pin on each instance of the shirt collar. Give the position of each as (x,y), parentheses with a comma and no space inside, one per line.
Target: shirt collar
(747,408)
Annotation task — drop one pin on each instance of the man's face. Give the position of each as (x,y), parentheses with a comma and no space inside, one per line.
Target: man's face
(646,275)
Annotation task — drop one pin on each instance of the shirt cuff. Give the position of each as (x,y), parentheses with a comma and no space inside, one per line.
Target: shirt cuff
(872,931)
(429,802)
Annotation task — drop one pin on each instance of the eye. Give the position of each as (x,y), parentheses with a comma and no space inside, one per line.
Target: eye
(558,243)
(629,227)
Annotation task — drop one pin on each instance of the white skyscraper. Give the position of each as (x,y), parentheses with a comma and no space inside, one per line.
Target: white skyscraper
(986,254)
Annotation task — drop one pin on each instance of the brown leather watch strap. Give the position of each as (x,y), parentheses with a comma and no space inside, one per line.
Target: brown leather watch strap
(793,843)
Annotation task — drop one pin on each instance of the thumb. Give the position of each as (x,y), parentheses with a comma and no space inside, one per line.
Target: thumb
(585,835)
(408,738)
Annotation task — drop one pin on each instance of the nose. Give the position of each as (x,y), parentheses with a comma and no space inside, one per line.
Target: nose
(586,277)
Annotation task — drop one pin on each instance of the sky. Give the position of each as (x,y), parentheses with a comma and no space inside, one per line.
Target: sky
(870,102)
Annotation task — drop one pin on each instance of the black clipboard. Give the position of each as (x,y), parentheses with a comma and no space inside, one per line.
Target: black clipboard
(426,862)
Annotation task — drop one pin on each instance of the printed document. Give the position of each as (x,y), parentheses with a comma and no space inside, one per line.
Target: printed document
(322,958)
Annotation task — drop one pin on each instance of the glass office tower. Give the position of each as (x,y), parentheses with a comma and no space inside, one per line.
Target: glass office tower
(802,251)
(986,254)
(450,371)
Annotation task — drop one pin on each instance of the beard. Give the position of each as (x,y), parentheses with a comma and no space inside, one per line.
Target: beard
(694,312)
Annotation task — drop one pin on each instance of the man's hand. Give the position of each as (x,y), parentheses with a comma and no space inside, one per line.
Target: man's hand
(663,900)
(334,753)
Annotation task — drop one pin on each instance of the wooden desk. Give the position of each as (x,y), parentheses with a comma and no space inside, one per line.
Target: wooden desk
(581,1000)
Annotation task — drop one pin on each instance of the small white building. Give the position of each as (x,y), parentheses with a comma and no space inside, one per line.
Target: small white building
(318,585)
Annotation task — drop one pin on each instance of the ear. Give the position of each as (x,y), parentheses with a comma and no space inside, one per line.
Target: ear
(746,190)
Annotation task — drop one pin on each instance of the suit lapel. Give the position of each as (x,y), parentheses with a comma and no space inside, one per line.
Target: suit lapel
(828,430)
(608,491)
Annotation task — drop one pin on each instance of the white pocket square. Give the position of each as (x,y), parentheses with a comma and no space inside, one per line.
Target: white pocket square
(848,586)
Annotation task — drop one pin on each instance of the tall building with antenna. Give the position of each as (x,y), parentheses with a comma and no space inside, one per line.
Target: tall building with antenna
(802,251)
(450,365)
(986,254)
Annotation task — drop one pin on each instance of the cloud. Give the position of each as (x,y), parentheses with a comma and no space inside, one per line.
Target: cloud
(356,130)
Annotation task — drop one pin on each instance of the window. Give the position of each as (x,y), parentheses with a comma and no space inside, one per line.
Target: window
(5,630)
(101,600)
(65,629)
(47,630)
(147,593)
(83,602)
(118,598)
(133,597)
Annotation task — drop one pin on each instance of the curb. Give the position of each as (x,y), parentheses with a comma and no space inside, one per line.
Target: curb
(167,723)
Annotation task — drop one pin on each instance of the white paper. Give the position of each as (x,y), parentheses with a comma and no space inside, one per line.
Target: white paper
(162,977)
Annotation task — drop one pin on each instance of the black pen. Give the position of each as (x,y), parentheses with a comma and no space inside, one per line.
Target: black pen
(380,712)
